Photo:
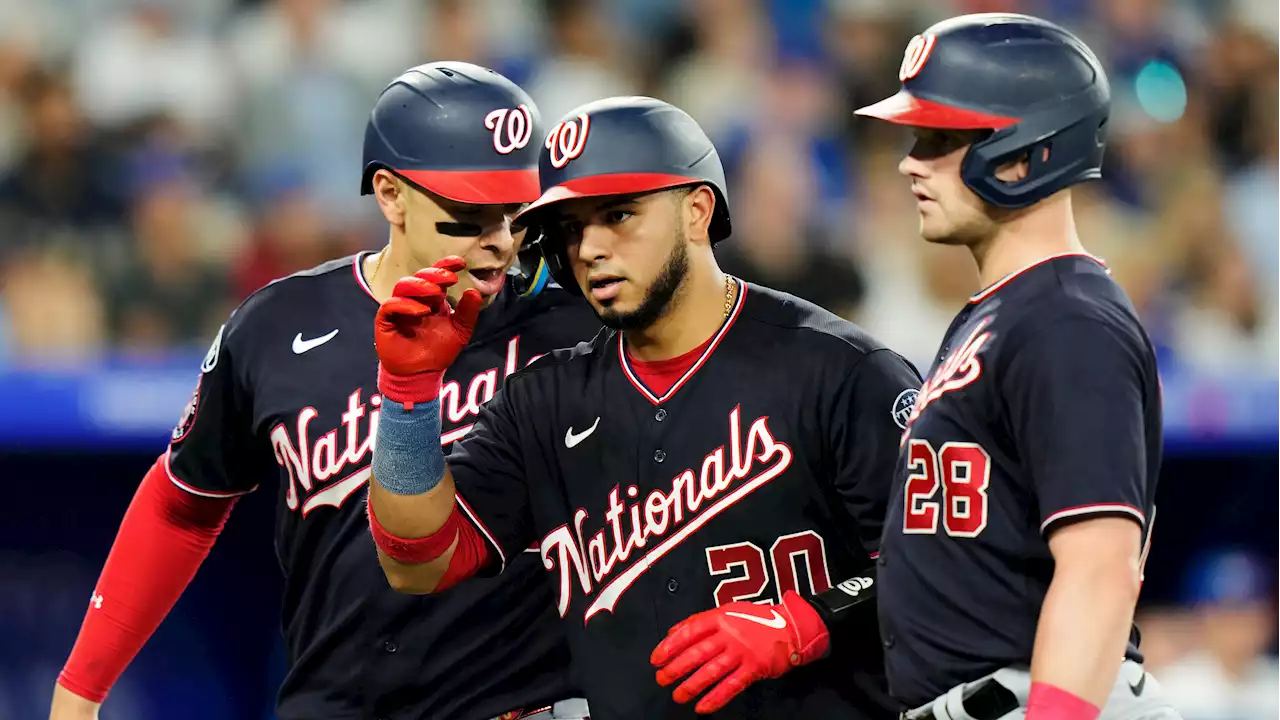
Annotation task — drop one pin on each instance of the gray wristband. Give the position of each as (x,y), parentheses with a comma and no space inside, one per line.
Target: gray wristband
(407,457)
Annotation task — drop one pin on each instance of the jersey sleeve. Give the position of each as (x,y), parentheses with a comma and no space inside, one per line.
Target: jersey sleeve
(870,414)
(1074,392)
(488,469)
(211,450)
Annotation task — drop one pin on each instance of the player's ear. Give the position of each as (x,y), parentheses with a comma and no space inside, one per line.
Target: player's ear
(391,195)
(697,208)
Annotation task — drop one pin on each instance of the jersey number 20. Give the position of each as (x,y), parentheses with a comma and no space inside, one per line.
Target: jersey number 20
(963,471)
(745,564)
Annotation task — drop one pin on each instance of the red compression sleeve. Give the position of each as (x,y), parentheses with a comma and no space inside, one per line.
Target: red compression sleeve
(164,537)
(470,554)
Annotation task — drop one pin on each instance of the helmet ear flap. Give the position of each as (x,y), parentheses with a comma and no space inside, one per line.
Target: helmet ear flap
(529,273)
(553,260)
(366,180)
(556,255)
(1058,156)
(721,226)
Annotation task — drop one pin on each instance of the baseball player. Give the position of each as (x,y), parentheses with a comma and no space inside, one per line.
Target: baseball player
(1012,554)
(721,449)
(287,395)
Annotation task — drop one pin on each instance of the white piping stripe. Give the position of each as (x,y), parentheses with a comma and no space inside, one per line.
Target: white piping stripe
(1146,546)
(455,434)
(983,294)
(475,520)
(724,328)
(195,491)
(355,269)
(1091,510)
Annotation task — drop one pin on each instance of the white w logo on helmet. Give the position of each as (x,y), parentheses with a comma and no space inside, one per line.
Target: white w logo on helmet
(518,128)
(566,140)
(916,55)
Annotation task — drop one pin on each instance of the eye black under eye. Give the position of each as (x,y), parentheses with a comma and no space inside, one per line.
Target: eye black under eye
(459,229)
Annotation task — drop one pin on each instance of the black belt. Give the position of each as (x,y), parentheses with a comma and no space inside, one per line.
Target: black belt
(988,701)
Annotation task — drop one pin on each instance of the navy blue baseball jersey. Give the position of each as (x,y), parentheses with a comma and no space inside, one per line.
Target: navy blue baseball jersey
(1043,407)
(288,394)
(766,467)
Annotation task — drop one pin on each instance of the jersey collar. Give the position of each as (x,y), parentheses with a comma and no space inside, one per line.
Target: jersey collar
(693,369)
(357,269)
(986,293)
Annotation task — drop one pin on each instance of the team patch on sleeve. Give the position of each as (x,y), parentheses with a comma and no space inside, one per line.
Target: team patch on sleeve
(902,406)
(211,357)
(188,416)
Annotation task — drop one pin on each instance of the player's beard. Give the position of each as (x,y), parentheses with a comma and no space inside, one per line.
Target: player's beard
(661,292)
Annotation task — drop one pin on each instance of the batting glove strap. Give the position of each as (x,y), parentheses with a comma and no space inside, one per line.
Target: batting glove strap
(809,632)
(409,389)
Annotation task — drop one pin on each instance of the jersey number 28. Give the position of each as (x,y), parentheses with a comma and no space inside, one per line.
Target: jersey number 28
(748,574)
(962,470)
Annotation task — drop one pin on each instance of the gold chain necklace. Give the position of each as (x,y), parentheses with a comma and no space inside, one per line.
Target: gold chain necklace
(376,267)
(728,294)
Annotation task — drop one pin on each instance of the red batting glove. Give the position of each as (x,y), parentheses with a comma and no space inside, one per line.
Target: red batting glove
(736,645)
(418,334)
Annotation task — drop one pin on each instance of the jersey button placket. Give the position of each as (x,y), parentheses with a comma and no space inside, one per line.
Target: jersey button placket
(672,585)
(659,455)
(660,415)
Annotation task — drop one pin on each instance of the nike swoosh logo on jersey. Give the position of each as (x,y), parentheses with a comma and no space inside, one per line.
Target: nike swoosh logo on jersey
(571,440)
(777,622)
(1136,688)
(300,346)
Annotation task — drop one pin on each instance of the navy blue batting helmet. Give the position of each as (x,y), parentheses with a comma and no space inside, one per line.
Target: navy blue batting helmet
(1039,88)
(459,130)
(624,146)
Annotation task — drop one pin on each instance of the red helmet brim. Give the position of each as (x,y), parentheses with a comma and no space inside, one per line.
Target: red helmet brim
(907,109)
(605,185)
(478,187)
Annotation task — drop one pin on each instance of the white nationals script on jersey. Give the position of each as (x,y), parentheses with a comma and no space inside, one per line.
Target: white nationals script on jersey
(311,466)
(961,368)
(693,500)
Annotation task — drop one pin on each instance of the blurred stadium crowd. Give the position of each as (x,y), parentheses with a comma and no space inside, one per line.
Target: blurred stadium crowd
(162,159)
